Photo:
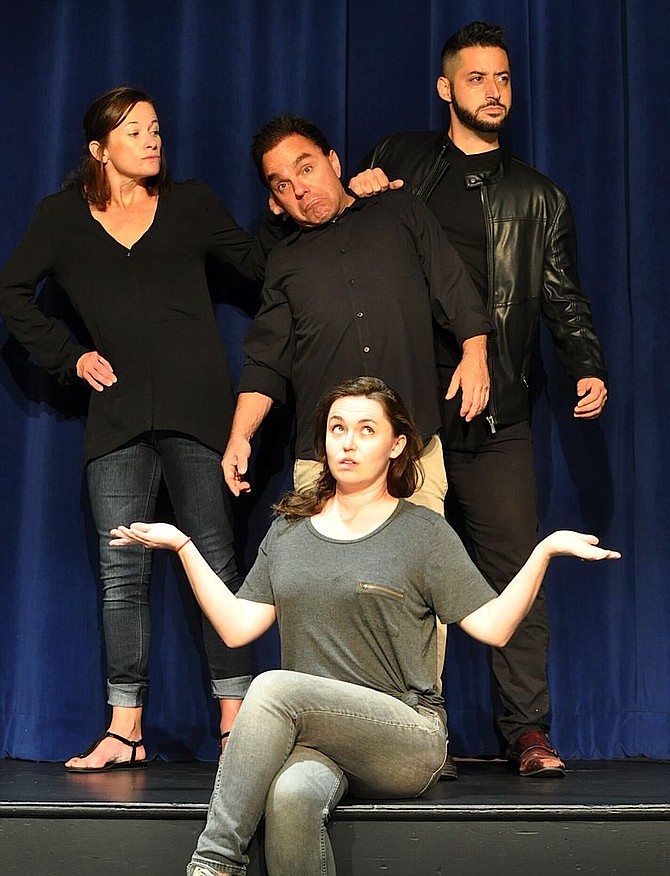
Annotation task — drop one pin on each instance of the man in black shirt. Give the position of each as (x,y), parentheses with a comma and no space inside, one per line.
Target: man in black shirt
(513,229)
(353,291)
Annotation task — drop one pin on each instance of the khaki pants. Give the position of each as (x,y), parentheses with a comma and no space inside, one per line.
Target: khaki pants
(430,494)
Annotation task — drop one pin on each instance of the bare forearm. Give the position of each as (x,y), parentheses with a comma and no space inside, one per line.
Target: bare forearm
(237,621)
(496,622)
(250,411)
(475,345)
(252,408)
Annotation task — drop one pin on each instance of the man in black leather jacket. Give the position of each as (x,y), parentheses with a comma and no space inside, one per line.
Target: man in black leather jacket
(513,228)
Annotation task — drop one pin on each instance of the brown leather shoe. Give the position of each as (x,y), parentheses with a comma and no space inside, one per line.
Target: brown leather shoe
(532,755)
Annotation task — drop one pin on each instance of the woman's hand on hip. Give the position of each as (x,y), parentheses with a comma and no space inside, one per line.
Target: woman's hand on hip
(95,370)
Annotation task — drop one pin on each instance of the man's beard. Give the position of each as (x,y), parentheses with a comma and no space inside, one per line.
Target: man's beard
(473,122)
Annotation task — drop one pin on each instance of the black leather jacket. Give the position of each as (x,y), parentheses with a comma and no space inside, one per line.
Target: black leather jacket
(532,265)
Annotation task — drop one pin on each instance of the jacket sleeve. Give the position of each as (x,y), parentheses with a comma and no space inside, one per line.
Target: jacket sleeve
(565,310)
(456,304)
(47,339)
(269,347)
(413,156)
(372,158)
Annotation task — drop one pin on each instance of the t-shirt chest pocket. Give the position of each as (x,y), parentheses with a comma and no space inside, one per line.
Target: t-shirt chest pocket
(380,606)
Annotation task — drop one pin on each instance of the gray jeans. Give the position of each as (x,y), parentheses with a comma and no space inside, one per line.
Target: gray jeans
(299,743)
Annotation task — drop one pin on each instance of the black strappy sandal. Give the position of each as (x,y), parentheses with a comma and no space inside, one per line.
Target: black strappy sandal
(132,764)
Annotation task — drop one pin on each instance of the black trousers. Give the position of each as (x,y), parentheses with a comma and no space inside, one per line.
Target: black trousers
(492,501)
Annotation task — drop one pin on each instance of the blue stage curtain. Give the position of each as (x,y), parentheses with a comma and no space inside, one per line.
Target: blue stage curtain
(589,111)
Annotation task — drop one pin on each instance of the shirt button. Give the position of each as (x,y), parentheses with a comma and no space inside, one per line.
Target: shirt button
(366,349)
(360,314)
(342,251)
(351,282)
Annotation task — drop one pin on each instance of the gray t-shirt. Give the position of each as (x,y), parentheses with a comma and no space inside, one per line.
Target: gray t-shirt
(363,611)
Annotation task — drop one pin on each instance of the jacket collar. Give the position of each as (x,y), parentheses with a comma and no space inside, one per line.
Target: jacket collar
(485,178)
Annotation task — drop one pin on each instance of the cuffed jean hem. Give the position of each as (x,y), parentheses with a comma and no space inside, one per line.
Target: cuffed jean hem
(231,688)
(214,868)
(130,696)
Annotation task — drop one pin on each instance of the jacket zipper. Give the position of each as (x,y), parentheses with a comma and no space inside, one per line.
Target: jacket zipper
(425,190)
(492,417)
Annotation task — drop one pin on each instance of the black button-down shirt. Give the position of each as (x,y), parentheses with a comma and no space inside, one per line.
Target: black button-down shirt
(356,296)
(147,310)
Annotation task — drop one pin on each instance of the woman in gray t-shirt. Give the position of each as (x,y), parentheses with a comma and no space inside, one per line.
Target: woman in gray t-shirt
(355,576)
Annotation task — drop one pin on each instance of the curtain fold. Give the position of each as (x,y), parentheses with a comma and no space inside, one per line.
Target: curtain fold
(588,112)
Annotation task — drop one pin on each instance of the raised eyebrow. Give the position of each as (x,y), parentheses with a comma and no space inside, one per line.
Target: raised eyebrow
(271,177)
(360,422)
(302,157)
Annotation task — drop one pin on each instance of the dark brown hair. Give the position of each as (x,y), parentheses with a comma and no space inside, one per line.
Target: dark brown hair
(103,115)
(404,474)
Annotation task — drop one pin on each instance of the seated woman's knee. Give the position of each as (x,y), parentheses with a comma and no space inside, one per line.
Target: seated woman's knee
(306,789)
(269,684)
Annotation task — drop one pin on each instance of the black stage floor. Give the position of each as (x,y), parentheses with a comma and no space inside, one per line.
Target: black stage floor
(602,818)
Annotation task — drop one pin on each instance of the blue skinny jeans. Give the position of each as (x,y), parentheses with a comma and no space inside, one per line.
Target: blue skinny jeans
(123,486)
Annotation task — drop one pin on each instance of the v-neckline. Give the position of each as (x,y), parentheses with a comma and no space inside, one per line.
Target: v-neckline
(118,242)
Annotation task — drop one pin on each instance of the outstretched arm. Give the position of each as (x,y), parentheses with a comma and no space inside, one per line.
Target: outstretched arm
(495,622)
(237,621)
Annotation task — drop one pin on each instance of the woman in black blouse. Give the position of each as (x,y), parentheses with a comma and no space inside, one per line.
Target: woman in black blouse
(128,247)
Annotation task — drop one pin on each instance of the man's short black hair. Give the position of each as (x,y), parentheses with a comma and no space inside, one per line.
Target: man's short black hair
(279,128)
(477,33)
